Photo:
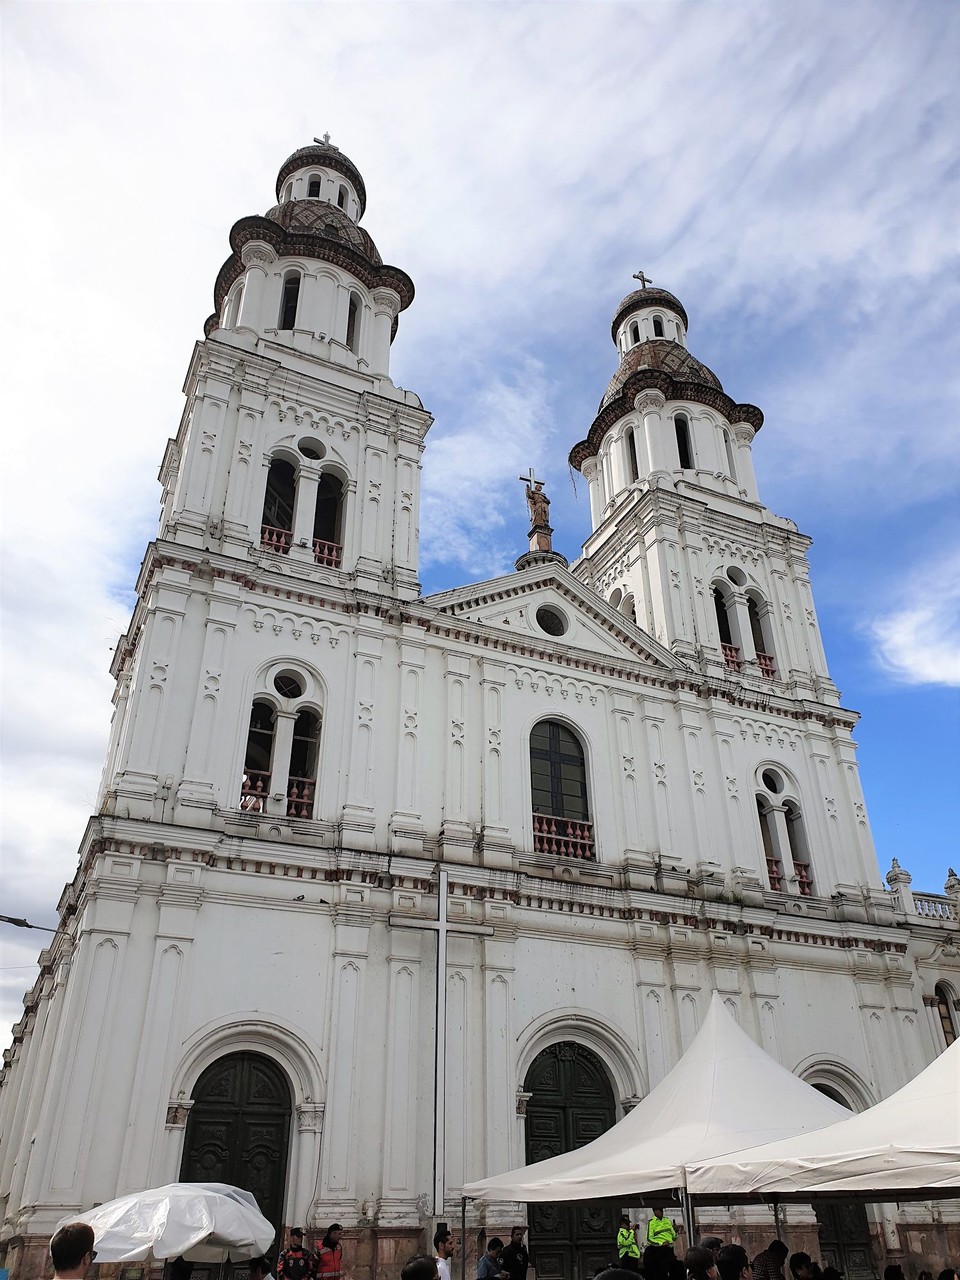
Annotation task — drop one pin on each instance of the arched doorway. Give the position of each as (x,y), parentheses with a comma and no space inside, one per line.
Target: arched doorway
(239,1129)
(843,1224)
(571,1103)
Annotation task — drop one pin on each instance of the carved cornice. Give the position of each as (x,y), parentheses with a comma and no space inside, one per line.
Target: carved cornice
(648,400)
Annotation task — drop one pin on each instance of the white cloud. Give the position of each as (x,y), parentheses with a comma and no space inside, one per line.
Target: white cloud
(919,642)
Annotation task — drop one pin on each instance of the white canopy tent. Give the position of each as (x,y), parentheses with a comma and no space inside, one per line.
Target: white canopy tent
(906,1146)
(724,1093)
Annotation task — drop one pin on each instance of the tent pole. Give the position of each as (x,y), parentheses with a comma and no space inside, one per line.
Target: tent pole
(689,1217)
(463,1238)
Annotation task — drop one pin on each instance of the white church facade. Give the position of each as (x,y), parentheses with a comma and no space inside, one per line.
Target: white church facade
(632,778)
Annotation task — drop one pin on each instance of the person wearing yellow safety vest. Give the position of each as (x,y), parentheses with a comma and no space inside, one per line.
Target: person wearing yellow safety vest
(628,1251)
(660,1230)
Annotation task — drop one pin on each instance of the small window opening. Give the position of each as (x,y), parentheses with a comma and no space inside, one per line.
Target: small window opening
(760,631)
(634,334)
(288,685)
(276,531)
(288,302)
(657,327)
(731,460)
(327,522)
(799,851)
(632,454)
(233,308)
(772,781)
(287,193)
(550,621)
(945,1014)
(771,852)
(353,324)
(723,618)
(313,187)
(628,608)
(684,449)
(255,785)
(342,197)
(304,753)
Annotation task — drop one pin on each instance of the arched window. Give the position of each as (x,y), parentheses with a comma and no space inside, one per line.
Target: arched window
(353,324)
(657,327)
(558,782)
(731,460)
(632,454)
(771,847)
(762,638)
(731,650)
(679,332)
(634,334)
(255,787)
(799,851)
(615,597)
(341,197)
(289,299)
(945,1013)
(314,185)
(684,448)
(304,753)
(328,521)
(628,607)
(287,193)
(232,312)
(276,525)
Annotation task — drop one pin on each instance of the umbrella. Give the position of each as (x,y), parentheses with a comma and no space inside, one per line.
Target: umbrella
(199,1221)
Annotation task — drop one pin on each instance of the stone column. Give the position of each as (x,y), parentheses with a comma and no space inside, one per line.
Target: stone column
(743,435)
(590,471)
(748,650)
(649,404)
(257,257)
(304,514)
(386,308)
(280,766)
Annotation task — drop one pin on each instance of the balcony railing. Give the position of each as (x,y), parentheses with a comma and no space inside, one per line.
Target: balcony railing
(254,791)
(775,874)
(934,907)
(767,665)
(563,837)
(300,792)
(329,554)
(273,539)
(804,879)
(731,656)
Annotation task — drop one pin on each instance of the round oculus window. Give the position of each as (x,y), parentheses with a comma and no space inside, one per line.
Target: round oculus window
(772,781)
(312,449)
(288,685)
(551,621)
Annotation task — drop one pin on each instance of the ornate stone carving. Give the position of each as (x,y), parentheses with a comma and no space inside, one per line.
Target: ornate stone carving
(385,300)
(522,1100)
(310,1117)
(649,401)
(257,254)
(744,432)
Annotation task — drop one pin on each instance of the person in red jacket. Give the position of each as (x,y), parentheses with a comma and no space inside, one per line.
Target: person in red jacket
(330,1254)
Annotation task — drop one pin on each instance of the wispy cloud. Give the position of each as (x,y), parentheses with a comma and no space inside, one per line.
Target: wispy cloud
(919,641)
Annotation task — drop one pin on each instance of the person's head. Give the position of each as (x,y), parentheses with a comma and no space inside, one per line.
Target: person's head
(494,1247)
(712,1243)
(444,1243)
(624,1220)
(657,1212)
(778,1250)
(296,1237)
(332,1238)
(733,1262)
(801,1266)
(71,1249)
(420,1268)
(259,1267)
(517,1234)
(700,1264)
(893,1272)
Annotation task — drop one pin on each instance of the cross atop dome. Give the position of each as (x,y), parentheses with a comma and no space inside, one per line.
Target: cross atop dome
(325,141)
(644,280)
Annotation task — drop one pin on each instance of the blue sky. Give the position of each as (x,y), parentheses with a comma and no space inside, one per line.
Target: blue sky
(789,171)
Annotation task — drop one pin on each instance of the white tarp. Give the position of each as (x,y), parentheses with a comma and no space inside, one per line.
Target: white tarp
(725,1093)
(910,1142)
(200,1221)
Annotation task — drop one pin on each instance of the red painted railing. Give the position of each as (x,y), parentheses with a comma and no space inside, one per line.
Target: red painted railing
(563,837)
(804,879)
(254,791)
(278,540)
(300,797)
(767,665)
(775,874)
(329,554)
(731,656)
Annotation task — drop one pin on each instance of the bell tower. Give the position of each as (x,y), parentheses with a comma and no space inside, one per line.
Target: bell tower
(681,541)
(294,476)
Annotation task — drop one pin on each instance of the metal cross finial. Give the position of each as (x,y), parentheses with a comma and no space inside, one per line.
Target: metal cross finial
(644,280)
(530,479)
(325,139)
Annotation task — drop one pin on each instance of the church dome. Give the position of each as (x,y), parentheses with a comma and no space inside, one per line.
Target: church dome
(319,218)
(326,155)
(643,298)
(661,354)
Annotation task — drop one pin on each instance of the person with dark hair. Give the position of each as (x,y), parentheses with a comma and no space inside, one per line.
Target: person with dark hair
(72,1251)
(260,1269)
(733,1262)
(488,1266)
(421,1267)
(700,1264)
(295,1262)
(515,1259)
(628,1251)
(329,1260)
(712,1243)
(803,1267)
(445,1247)
(660,1230)
(948,1273)
(769,1264)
